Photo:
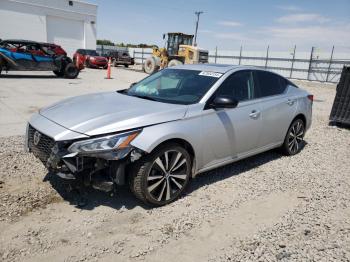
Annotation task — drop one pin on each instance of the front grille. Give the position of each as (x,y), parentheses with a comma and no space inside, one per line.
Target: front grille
(43,147)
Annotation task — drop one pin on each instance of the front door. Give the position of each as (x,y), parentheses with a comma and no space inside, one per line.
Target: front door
(232,132)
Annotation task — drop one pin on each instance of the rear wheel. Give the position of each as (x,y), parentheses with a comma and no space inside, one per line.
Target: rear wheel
(294,139)
(161,177)
(58,73)
(174,62)
(126,66)
(150,66)
(71,71)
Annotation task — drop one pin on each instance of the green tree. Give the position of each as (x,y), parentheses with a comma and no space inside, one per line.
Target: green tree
(104,42)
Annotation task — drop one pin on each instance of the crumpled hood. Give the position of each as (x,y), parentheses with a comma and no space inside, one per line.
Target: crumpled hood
(102,113)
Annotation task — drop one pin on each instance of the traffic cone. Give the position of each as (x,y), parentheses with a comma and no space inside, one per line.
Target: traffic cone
(109,69)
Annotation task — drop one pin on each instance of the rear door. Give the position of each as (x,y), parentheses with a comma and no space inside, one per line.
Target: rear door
(277,107)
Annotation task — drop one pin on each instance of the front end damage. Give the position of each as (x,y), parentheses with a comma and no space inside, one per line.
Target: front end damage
(98,162)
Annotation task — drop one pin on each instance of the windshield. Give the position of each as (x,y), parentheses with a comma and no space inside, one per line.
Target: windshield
(176,86)
(91,52)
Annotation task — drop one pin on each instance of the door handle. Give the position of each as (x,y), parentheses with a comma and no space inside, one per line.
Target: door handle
(290,102)
(254,114)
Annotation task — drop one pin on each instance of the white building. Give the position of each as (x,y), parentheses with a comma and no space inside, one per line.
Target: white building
(71,24)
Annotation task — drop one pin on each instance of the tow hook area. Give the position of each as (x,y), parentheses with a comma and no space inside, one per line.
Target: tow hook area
(98,172)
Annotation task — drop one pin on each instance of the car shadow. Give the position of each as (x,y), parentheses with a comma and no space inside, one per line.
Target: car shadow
(30,76)
(122,198)
(233,169)
(88,198)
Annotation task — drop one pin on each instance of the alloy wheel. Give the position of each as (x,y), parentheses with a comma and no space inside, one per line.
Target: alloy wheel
(168,175)
(295,138)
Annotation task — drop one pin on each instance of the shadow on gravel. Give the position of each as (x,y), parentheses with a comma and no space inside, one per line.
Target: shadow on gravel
(90,198)
(233,169)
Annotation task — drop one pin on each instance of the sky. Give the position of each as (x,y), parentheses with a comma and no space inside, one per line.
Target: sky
(228,24)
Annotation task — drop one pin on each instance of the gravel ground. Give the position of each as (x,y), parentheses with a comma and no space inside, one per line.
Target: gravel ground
(265,208)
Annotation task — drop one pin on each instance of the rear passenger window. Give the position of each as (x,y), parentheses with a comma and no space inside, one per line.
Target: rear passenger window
(239,85)
(270,84)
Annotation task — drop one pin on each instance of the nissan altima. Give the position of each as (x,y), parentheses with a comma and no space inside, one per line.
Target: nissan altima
(164,130)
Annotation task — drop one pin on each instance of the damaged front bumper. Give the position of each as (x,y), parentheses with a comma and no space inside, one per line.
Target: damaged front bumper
(101,169)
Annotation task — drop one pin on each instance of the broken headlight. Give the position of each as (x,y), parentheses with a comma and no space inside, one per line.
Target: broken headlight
(104,144)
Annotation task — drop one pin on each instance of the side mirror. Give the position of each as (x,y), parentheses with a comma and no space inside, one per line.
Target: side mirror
(132,84)
(224,102)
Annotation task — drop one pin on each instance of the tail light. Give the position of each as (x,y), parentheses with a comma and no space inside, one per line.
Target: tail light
(311,97)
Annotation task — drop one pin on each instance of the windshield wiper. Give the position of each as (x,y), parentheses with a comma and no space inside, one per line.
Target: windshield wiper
(145,97)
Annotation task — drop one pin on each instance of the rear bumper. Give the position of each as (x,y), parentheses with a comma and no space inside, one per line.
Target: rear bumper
(98,64)
(120,62)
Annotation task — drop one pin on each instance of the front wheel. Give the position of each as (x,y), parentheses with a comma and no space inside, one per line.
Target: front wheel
(174,62)
(161,177)
(71,71)
(150,66)
(294,139)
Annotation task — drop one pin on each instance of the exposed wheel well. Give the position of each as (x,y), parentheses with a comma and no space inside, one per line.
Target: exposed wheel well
(181,142)
(178,141)
(302,117)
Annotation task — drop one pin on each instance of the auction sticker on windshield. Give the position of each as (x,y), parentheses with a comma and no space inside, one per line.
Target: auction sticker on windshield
(212,74)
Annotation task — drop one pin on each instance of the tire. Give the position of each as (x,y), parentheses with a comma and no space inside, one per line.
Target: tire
(157,181)
(294,140)
(71,71)
(150,65)
(174,62)
(58,73)
(126,66)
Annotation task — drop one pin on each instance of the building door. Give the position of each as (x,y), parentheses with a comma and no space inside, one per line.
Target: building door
(67,33)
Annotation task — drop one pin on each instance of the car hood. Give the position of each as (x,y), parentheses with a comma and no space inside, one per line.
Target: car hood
(102,113)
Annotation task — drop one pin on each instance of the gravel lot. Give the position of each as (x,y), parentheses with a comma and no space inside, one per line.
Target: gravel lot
(265,208)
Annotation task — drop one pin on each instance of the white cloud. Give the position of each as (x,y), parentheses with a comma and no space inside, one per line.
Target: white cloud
(289,7)
(233,36)
(205,31)
(297,18)
(308,36)
(282,37)
(229,23)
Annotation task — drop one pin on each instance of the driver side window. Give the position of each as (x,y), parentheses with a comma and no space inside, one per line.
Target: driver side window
(239,85)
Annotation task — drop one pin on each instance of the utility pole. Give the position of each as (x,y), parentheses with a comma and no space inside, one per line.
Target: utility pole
(198,13)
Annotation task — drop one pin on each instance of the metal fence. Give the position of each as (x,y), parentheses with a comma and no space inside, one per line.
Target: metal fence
(303,65)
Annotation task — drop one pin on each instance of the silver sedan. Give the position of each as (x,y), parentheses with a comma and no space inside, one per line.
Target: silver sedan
(169,127)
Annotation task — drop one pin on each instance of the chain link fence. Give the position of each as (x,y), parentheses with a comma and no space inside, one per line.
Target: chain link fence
(316,65)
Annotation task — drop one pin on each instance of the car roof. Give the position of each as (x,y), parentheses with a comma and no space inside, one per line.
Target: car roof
(48,44)
(219,68)
(19,41)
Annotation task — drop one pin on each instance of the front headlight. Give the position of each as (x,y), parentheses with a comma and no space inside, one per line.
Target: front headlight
(104,144)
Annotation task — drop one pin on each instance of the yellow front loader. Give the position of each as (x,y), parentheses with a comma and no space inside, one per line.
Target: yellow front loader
(179,50)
